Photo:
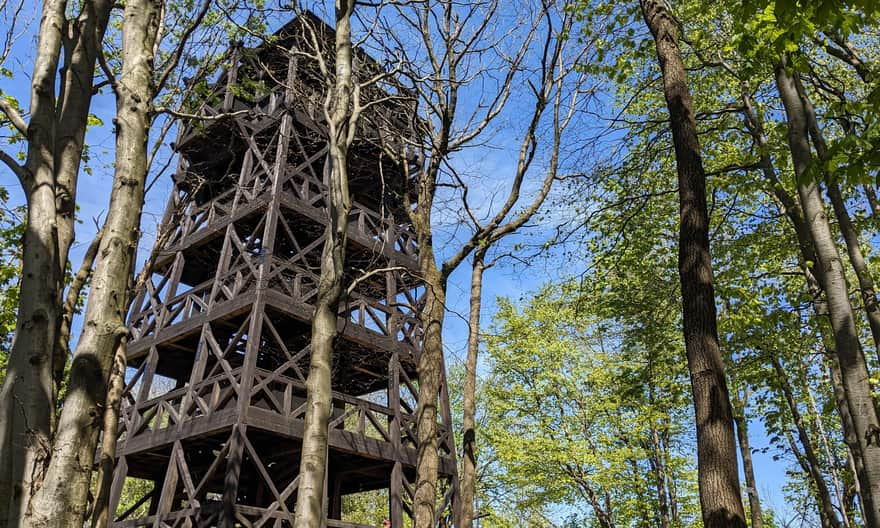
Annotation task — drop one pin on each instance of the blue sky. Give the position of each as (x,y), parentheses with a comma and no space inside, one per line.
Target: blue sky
(493,165)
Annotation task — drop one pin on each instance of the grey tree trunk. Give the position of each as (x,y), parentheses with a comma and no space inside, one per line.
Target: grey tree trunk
(61,500)
(310,511)
(720,498)
(55,137)
(469,455)
(853,368)
(855,461)
(742,434)
(26,401)
(844,223)
(101,515)
(81,57)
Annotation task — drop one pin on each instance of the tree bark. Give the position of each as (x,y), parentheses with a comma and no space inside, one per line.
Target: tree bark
(844,223)
(809,460)
(745,449)
(101,515)
(77,79)
(26,401)
(853,368)
(310,510)
(55,137)
(469,396)
(430,366)
(60,502)
(720,497)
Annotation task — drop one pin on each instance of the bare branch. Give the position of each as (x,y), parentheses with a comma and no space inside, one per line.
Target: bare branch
(181,45)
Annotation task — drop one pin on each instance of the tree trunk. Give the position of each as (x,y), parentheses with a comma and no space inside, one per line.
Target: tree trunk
(809,460)
(844,223)
(429,366)
(745,449)
(469,456)
(716,446)
(26,401)
(55,138)
(656,461)
(77,78)
(853,368)
(849,432)
(310,511)
(101,515)
(833,462)
(60,502)
(871,195)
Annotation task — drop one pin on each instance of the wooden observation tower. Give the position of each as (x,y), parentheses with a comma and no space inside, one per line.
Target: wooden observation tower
(212,417)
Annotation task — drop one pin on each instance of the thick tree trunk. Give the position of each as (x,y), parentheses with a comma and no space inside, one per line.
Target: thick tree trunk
(853,368)
(55,139)
(101,515)
(310,511)
(809,460)
(61,500)
(745,449)
(469,396)
(430,365)
(716,446)
(26,401)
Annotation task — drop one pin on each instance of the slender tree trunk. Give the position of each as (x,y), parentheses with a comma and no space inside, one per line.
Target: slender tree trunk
(469,462)
(871,196)
(809,460)
(853,368)
(745,449)
(716,445)
(848,428)
(77,81)
(833,462)
(312,470)
(814,275)
(658,468)
(26,401)
(101,515)
(60,502)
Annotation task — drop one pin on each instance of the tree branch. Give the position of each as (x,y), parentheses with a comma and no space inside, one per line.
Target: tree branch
(14,117)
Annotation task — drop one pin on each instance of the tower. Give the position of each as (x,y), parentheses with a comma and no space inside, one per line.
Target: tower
(212,416)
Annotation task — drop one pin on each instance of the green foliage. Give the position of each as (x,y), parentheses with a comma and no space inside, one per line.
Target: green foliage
(579,404)
(11,233)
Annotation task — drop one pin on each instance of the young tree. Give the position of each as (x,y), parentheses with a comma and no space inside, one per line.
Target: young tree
(716,445)
(558,90)
(341,110)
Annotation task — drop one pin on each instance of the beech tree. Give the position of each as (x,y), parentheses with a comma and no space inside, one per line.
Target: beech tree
(61,92)
(342,107)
